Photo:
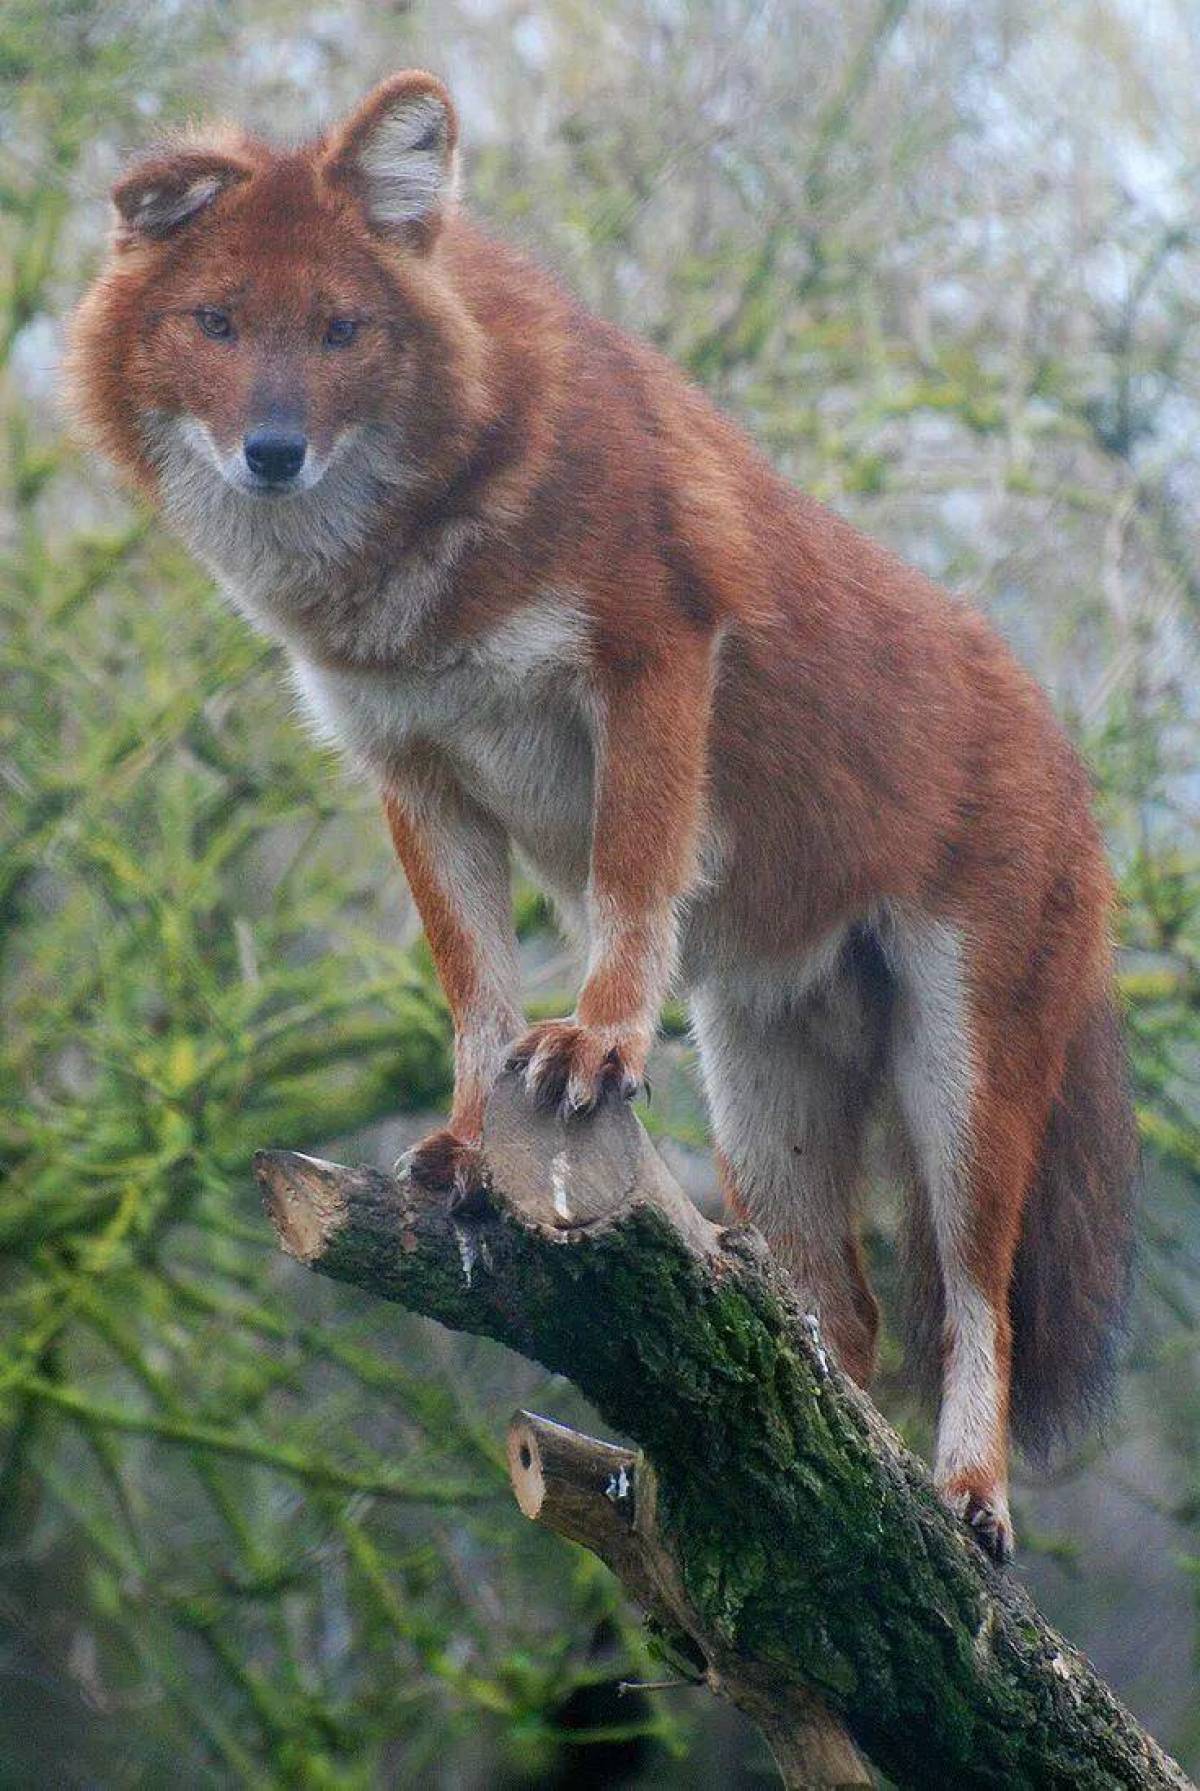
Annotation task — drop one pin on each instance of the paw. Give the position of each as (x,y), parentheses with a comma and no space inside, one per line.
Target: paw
(446,1161)
(985,1512)
(574,1068)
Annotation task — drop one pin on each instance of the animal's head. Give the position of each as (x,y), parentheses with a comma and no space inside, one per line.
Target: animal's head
(268,317)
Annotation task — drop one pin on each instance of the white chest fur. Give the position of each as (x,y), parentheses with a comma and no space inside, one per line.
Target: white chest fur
(509,711)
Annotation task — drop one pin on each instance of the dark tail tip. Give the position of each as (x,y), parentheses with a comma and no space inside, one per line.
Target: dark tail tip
(1074,1267)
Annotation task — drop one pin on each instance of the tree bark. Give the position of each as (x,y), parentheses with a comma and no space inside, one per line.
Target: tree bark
(607,1499)
(772,1523)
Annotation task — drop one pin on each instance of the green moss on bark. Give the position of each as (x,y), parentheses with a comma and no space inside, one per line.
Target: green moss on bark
(808,1541)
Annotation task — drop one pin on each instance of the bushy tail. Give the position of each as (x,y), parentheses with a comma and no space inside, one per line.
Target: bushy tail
(1071,1282)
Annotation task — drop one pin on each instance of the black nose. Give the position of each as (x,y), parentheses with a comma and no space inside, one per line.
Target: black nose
(275,455)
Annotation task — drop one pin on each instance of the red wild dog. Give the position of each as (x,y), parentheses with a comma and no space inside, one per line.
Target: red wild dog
(553,601)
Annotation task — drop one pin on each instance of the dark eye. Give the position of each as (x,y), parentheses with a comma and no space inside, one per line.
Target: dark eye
(339,331)
(214,323)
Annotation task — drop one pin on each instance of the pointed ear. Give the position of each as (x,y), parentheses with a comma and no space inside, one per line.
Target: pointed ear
(165,190)
(396,156)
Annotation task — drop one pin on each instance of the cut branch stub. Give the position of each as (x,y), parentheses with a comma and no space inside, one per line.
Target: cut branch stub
(562,1184)
(577,1486)
(604,1497)
(306,1199)
(795,1540)
(567,1175)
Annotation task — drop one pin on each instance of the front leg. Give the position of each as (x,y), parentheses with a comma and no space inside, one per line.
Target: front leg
(456,860)
(648,812)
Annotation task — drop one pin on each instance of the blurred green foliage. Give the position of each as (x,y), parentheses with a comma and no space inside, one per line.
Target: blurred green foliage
(252,1529)
(258,1517)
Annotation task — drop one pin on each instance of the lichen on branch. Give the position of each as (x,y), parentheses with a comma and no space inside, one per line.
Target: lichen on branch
(809,1555)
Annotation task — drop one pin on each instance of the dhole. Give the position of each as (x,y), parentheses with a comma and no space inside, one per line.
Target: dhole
(552,601)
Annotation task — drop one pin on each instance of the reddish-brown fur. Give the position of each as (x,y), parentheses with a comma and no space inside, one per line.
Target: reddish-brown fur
(765,676)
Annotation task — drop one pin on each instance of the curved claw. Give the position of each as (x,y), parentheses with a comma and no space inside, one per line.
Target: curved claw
(448,1163)
(573,1069)
(992,1530)
(986,1515)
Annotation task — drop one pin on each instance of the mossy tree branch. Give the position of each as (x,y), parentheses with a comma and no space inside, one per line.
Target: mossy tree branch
(786,1538)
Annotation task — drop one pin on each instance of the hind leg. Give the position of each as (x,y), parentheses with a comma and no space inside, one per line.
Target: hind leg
(789,1118)
(972,1137)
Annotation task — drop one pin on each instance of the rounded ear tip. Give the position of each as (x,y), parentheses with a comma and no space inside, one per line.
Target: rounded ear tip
(170,186)
(416,83)
(413,81)
(395,156)
(133,178)
(128,195)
